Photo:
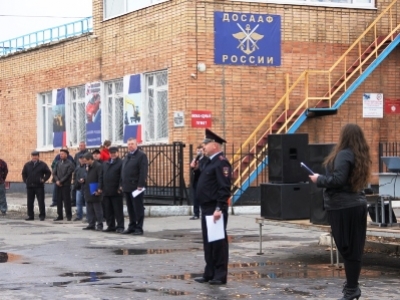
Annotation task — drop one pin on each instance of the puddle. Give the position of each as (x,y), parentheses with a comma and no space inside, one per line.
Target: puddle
(9,257)
(82,274)
(151,251)
(162,291)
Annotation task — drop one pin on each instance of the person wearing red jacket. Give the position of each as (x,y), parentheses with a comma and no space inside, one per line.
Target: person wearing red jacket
(105,153)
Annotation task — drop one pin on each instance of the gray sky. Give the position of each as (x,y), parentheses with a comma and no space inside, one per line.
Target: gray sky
(17,16)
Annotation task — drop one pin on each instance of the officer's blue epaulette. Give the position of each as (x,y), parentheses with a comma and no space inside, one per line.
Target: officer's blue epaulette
(221,157)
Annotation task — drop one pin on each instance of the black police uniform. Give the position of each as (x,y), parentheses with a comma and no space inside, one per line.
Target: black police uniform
(213,192)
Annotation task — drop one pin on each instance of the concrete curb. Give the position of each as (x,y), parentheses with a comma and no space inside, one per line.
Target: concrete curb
(150,211)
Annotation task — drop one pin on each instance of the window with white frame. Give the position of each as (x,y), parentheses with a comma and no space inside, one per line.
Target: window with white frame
(156,107)
(113,8)
(45,120)
(76,116)
(329,3)
(115,110)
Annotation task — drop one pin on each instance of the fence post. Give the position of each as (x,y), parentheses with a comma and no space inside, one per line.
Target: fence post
(380,153)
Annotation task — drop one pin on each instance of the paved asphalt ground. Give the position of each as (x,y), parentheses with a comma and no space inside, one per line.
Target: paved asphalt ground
(48,260)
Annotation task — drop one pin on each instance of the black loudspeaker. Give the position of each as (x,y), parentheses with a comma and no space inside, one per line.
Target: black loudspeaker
(285,201)
(285,152)
(317,155)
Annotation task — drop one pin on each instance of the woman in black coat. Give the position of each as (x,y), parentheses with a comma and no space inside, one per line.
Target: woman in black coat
(348,169)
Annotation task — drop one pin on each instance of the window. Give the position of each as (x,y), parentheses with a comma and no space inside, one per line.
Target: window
(330,3)
(77,124)
(45,120)
(115,111)
(113,8)
(156,107)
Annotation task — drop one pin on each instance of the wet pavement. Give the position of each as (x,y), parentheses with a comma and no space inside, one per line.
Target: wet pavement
(47,260)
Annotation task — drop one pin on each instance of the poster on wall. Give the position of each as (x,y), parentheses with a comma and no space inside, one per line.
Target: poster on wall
(392,106)
(247,39)
(58,109)
(133,107)
(93,114)
(372,105)
(201,118)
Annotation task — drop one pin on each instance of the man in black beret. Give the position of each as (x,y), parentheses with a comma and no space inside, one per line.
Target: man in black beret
(213,191)
(35,173)
(62,174)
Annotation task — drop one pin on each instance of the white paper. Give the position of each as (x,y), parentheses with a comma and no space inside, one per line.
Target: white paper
(215,231)
(137,192)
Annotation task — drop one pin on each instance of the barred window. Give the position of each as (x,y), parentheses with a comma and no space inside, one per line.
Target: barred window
(115,110)
(45,120)
(113,8)
(156,107)
(77,124)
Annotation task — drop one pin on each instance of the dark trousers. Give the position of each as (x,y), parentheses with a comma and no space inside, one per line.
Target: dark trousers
(64,197)
(216,254)
(73,195)
(349,228)
(39,193)
(196,205)
(136,211)
(114,210)
(94,211)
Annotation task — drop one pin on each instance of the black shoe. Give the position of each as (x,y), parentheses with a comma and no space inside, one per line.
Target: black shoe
(351,293)
(58,219)
(53,205)
(127,231)
(69,219)
(88,228)
(99,229)
(119,230)
(108,229)
(73,204)
(201,280)
(29,219)
(194,218)
(4,213)
(137,232)
(216,282)
(41,219)
(77,219)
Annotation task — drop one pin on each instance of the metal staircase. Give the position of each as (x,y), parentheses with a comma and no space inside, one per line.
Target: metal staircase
(316,93)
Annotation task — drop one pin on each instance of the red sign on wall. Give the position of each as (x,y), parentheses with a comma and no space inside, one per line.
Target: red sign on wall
(392,106)
(201,118)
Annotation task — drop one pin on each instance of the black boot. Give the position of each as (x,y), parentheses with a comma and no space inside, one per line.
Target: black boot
(351,293)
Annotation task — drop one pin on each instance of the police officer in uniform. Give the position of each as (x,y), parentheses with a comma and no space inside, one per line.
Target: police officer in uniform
(213,192)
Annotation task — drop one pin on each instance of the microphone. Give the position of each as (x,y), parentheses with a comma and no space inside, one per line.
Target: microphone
(197,157)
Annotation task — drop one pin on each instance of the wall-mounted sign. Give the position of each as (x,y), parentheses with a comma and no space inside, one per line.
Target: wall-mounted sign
(179,119)
(372,105)
(392,106)
(201,118)
(247,39)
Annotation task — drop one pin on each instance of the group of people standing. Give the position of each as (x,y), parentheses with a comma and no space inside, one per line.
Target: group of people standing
(101,184)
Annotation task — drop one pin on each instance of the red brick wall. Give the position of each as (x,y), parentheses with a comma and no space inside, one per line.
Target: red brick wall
(176,35)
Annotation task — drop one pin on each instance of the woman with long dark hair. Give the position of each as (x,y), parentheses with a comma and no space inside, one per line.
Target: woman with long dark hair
(348,170)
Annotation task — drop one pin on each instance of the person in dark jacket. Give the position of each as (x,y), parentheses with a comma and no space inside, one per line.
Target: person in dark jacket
(53,165)
(348,170)
(82,150)
(112,194)
(213,191)
(92,189)
(62,175)
(197,165)
(79,174)
(133,177)
(35,173)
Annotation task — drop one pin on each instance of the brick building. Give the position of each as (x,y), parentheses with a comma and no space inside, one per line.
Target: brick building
(142,65)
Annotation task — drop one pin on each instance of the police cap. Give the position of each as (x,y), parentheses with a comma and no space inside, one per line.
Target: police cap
(212,137)
(35,153)
(113,149)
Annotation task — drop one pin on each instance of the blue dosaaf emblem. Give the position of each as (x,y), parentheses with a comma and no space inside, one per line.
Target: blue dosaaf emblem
(247,39)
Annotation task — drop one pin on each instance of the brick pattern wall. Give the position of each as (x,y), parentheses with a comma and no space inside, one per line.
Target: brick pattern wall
(176,35)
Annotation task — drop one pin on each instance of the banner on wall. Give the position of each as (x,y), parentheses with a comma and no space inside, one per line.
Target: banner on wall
(58,109)
(93,114)
(132,108)
(372,105)
(247,39)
